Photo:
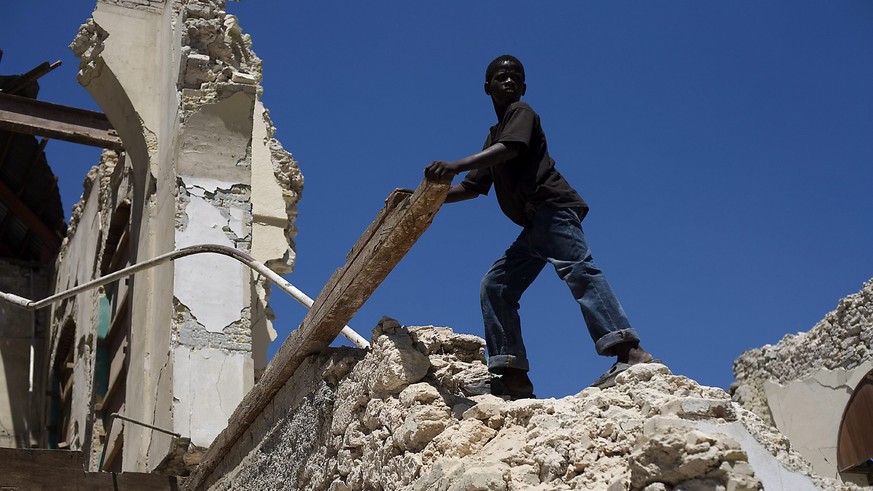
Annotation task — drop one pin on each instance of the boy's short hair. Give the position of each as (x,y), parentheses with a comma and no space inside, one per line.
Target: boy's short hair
(492,67)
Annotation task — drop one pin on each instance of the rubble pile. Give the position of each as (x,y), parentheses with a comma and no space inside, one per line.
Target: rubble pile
(843,339)
(395,419)
(215,49)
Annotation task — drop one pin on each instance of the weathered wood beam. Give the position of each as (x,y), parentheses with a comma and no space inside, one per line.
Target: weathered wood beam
(401,222)
(65,469)
(26,79)
(33,117)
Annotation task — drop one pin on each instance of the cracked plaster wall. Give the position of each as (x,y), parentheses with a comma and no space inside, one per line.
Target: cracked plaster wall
(213,288)
(180,84)
(802,384)
(219,374)
(77,263)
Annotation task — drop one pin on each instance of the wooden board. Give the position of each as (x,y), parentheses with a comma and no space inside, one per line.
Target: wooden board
(50,470)
(396,228)
(33,117)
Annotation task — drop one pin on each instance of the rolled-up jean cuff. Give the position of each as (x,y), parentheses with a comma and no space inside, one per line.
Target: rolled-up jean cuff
(507,361)
(606,344)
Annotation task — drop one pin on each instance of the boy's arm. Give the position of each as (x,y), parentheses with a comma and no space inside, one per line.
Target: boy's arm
(494,155)
(460,193)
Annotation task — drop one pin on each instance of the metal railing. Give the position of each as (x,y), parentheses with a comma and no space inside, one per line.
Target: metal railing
(240,256)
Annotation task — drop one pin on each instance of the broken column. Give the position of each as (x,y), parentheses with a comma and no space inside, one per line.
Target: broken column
(179,82)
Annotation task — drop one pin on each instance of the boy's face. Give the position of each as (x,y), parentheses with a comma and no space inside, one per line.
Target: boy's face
(507,83)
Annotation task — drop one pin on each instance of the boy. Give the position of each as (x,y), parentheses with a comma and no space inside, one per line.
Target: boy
(531,192)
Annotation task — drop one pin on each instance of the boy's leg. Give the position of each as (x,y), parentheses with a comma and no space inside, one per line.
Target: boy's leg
(499,294)
(557,235)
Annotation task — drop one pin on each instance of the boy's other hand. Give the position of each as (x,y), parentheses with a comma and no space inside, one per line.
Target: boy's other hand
(441,171)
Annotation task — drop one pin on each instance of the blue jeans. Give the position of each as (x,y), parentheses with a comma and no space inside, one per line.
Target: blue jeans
(555,236)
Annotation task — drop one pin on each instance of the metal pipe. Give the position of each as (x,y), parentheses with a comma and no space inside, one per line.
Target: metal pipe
(237,254)
(153,427)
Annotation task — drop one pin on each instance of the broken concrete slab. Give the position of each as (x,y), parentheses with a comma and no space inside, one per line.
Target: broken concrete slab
(802,383)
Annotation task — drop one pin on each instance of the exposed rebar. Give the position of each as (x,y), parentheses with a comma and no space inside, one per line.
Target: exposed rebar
(153,427)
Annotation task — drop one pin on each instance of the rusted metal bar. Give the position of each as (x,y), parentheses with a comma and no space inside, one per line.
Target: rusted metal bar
(146,425)
(26,79)
(33,117)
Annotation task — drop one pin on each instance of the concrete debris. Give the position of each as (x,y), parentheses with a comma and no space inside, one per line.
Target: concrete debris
(802,384)
(187,331)
(843,339)
(396,420)
(215,48)
(691,459)
(88,46)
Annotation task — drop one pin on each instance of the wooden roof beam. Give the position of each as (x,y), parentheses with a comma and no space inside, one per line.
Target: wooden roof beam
(33,117)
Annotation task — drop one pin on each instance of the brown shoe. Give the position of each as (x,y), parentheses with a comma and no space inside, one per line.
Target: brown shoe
(512,384)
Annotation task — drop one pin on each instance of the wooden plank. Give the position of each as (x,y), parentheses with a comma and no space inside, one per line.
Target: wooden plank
(117,243)
(113,444)
(396,228)
(33,117)
(50,470)
(117,374)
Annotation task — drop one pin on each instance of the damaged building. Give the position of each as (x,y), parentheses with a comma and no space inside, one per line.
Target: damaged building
(199,166)
(815,388)
(32,227)
(177,346)
(164,373)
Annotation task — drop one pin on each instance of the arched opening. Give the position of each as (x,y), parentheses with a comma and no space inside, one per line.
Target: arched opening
(855,440)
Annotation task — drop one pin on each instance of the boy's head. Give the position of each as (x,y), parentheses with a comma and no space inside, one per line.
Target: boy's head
(498,62)
(504,80)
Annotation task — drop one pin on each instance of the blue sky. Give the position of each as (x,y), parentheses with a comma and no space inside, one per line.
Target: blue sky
(724,147)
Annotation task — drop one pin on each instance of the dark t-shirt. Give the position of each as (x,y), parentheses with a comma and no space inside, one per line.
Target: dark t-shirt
(529,180)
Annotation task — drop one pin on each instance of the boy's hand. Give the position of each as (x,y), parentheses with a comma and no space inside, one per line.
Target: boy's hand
(441,171)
